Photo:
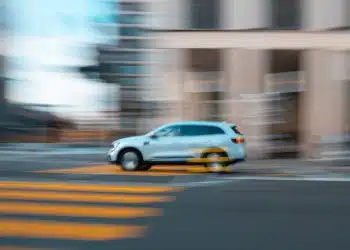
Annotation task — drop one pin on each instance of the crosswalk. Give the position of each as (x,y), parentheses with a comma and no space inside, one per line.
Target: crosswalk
(63,211)
(181,171)
(115,170)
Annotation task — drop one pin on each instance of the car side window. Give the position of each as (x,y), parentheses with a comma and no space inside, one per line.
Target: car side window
(212,130)
(200,130)
(189,130)
(169,131)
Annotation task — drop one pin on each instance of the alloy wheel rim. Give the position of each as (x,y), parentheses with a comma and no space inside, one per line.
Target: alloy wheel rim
(130,160)
(215,164)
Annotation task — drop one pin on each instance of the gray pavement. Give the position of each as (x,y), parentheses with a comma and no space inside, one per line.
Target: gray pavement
(259,205)
(237,215)
(256,215)
(61,159)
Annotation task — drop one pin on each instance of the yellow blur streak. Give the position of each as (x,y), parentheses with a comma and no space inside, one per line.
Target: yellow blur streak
(87,187)
(76,211)
(103,198)
(107,170)
(208,160)
(64,230)
(209,150)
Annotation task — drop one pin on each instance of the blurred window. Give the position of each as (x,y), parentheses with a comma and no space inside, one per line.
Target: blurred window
(132,43)
(131,69)
(129,80)
(129,57)
(131,19)
(200,130)
(170,131)
(235,129)
(131,31)
(205,14)
(134,7)
(122,57)
(286,14)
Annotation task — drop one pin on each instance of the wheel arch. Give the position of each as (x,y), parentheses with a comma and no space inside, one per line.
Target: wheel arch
(207,151)
(130,148)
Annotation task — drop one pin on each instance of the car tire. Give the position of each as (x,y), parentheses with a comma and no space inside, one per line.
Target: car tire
(218,166)
(146,167)
(130,160)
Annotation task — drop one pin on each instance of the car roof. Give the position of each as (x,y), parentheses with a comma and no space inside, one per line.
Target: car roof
(212,123)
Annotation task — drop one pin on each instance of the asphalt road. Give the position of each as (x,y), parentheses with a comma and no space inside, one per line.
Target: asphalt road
(74,202)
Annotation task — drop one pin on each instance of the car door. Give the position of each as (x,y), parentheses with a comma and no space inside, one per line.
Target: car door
(193,140)
(165,145)
(202,137)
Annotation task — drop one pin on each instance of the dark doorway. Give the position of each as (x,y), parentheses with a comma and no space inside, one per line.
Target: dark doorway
(206,65)
(284,104)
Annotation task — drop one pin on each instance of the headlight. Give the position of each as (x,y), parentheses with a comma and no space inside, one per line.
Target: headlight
(115,144)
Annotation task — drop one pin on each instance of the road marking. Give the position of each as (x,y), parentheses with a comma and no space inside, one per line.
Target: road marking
(114,170)
(296,178)
(84,197)
(76,211)
(91,181)
(86,187)
(23,192)
(278,174)
(71,231)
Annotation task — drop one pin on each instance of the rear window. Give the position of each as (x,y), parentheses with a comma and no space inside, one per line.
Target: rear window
(235,129)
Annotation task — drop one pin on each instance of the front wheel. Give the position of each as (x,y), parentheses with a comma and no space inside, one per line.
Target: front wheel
(130,160)
(146,167)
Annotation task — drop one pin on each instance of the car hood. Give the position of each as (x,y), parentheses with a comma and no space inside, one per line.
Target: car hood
(131,139)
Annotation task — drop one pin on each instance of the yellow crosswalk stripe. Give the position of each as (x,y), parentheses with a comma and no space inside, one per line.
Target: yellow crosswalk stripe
(16,198)
(84,197)
(24,208)
(68,230)
(108,170)
(114,170)
(87,187)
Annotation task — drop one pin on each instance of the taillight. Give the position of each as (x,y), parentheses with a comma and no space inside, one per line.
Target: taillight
(238,140)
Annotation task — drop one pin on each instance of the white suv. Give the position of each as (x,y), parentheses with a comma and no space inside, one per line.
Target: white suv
(213,144)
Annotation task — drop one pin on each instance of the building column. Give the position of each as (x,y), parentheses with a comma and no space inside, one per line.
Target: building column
(324,119)
(172,86)
(245,14)
(323,14)
(245,71)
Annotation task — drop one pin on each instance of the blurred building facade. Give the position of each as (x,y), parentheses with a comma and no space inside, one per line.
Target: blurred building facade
(277,68)
(125,63)
(3,30)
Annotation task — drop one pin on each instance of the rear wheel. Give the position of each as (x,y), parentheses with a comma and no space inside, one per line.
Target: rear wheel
(216,162)
(130,160)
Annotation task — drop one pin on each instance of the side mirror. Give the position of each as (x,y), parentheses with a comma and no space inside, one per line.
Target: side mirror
(153,136)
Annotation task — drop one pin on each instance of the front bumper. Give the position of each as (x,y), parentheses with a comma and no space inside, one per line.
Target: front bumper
(109,159)
(112,155)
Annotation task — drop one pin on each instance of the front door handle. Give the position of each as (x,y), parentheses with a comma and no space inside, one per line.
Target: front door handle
(146,143)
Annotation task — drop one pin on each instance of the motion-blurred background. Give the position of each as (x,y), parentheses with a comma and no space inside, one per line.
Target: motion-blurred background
(89,71)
